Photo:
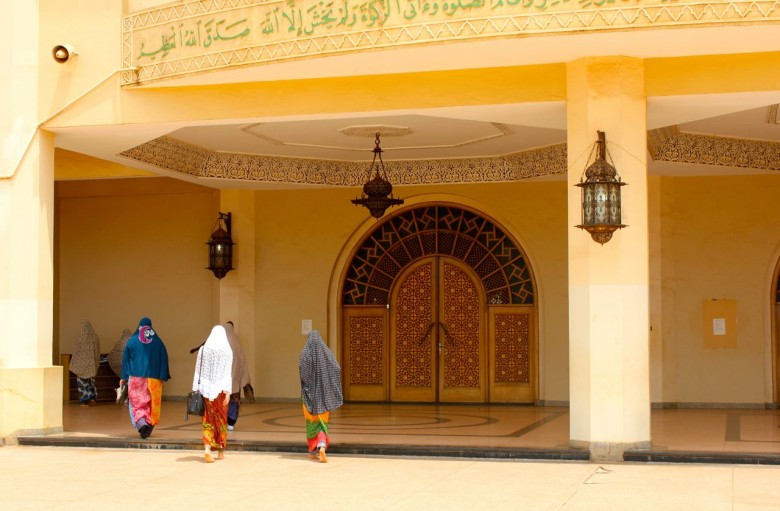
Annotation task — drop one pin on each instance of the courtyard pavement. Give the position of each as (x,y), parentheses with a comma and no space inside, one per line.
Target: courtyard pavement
(89,478)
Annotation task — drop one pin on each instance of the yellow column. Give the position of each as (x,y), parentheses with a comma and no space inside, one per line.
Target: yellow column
(30,387)
(237,289)
(609,284)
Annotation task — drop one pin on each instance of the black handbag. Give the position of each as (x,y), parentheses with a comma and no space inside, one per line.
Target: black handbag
(194,404)
(195,399)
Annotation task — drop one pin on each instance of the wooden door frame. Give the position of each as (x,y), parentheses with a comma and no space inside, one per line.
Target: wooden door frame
(417,224)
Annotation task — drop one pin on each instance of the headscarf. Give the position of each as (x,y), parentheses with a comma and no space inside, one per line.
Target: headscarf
(115,356)
(214,365)
(86,355)
(240,370)
(145,354)
(320,376)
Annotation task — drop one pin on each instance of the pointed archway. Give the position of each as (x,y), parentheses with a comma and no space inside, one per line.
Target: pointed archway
(437,304)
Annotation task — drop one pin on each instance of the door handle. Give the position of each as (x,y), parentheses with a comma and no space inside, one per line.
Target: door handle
(425,335)
(448,335)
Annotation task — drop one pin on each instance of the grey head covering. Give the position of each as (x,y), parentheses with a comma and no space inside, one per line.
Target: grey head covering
(320,376)
(115,356)
(86,355)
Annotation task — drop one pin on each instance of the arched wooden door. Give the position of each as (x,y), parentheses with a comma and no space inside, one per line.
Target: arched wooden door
(438,328)
(438,306)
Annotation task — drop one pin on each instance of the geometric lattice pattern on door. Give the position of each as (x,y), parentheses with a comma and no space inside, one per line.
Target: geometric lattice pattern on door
(444,230)
(511,362)
(365,350)
(461,329)
(413,349)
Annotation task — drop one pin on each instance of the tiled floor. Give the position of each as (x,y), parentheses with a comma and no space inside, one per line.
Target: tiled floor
(492,431)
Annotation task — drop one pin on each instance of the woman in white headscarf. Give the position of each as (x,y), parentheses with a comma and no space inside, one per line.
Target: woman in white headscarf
(320,391)
(214,381)
(85,362)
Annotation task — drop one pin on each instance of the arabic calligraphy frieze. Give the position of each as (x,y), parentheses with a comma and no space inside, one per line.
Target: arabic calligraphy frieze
(670,144)
(193,27)
(213,34)
(174,155)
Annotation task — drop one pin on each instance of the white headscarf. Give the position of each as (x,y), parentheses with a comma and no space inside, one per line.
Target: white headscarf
(214,365)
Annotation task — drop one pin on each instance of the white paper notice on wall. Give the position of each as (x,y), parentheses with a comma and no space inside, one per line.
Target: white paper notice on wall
(718,326)
(305,326)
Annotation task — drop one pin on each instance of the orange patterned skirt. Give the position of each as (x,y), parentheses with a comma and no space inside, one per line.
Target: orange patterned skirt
(215,422)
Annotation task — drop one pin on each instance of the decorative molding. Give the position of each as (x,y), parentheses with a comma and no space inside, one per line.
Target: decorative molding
(387,131)
(171,154)
(175,155)
(672,145)
(323,32)
(773,117)
(664,144)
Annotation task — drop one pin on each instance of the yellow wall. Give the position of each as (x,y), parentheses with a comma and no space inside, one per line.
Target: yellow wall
(720,237)
(134,247)
(72,165)
(300,235)
(130,248)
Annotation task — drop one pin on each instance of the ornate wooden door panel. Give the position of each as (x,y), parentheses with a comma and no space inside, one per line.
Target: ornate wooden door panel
(512,368)
(461,336)
(412,336)
(365,353)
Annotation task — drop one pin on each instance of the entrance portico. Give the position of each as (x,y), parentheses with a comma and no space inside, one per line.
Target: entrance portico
(135,151)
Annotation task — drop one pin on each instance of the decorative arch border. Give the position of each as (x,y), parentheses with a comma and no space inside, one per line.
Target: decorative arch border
(772,331)
(438,229)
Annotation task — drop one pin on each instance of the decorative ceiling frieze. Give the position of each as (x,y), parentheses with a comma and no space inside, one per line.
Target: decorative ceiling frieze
(671,145)
(665,144)
(175,155)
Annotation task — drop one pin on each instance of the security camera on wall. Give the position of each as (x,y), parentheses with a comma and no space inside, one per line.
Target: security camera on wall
(63,52)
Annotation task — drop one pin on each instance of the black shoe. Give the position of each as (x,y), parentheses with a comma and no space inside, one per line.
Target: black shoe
(145,431)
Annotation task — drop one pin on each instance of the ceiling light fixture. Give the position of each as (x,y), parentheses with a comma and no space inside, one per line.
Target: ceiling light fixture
(377,193)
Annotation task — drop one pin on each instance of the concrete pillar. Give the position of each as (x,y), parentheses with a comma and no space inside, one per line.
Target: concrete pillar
(609,284)
(30,387)
(237,289)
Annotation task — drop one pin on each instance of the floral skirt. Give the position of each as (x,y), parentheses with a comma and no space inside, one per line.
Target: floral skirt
(316,429)
(215,422)
(87,389)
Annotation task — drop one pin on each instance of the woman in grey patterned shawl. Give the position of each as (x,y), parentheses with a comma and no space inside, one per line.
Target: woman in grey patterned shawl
(85,362)
(320,391)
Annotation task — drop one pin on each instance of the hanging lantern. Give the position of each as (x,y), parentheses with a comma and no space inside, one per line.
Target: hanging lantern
(221,247)
(601,210)
(377,191)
